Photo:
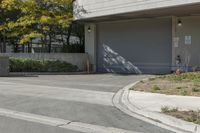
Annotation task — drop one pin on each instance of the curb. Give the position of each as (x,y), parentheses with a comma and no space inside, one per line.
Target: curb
(27,74)
(121,101)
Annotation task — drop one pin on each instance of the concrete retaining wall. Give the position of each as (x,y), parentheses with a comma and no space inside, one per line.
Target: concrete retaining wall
(4,66)
(78,59)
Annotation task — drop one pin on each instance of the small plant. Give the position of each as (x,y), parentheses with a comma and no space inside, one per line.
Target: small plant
(196,84)
(189,119)
(198,117)
(190,116)
(152,79)
(185,84)
(184,92)
(190,76)
(196,89)
(174,109)
(179,88)
(162,77)
(167,109)
(156,88)
(193,117)
(142,81)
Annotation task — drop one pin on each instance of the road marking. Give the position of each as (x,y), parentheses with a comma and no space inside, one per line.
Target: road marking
(61,123)
(59,93)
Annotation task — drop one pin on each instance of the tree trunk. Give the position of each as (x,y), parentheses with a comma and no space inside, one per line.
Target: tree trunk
(69,34)
(1,46)
(16,48)
(62,39)
(42,43)
(23,47)
(30,46)
(49,47)
(4,44)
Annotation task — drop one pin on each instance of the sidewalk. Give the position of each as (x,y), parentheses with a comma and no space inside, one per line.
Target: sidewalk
(147,107)
(154,102)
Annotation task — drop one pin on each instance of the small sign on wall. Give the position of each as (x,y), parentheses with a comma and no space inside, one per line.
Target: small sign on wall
(188,40)
(176,42)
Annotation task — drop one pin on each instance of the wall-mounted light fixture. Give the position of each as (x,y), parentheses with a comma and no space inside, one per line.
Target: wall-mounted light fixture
(89,29)
(180,23)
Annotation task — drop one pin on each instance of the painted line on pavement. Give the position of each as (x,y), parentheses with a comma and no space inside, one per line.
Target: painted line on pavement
(61,123)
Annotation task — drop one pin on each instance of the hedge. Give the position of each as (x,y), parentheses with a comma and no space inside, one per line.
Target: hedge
(30,65)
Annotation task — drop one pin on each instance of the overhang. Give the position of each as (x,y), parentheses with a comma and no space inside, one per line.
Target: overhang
(179,11)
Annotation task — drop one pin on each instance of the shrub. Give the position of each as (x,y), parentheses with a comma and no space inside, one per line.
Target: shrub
(167,109)
(196,89)
(30,65)
(184,92)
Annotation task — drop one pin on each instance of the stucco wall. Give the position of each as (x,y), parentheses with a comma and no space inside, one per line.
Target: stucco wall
(78,59)
(190,54)
(96,8)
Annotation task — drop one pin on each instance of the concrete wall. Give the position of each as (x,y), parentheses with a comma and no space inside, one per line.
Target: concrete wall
(78,59)
(96,8)
(190,53)
(4,66)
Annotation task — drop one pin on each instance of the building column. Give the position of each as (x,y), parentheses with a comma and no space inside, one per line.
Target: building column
(90,44)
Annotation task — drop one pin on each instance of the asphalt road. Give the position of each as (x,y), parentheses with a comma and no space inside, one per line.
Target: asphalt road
(66,104)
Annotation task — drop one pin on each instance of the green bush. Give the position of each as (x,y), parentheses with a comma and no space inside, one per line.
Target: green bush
(30,65)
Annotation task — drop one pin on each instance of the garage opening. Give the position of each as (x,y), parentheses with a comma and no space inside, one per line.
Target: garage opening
(135,46)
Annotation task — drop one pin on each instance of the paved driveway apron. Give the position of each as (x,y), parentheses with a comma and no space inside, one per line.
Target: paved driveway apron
(66,103)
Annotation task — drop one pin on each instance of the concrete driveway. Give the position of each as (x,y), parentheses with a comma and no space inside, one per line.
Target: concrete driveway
(66,104)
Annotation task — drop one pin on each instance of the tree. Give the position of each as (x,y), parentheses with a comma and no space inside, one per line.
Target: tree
(5,17)
(78,30)
(37,19)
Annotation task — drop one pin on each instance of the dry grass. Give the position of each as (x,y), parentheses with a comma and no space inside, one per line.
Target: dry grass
(187,84)
(190,116)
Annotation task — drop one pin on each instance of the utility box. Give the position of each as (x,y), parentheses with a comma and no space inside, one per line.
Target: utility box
(4,66)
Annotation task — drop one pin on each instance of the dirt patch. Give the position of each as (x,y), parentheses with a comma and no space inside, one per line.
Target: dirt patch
(187,84)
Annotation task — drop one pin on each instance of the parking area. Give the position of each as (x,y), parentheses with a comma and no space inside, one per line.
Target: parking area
(42,103)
